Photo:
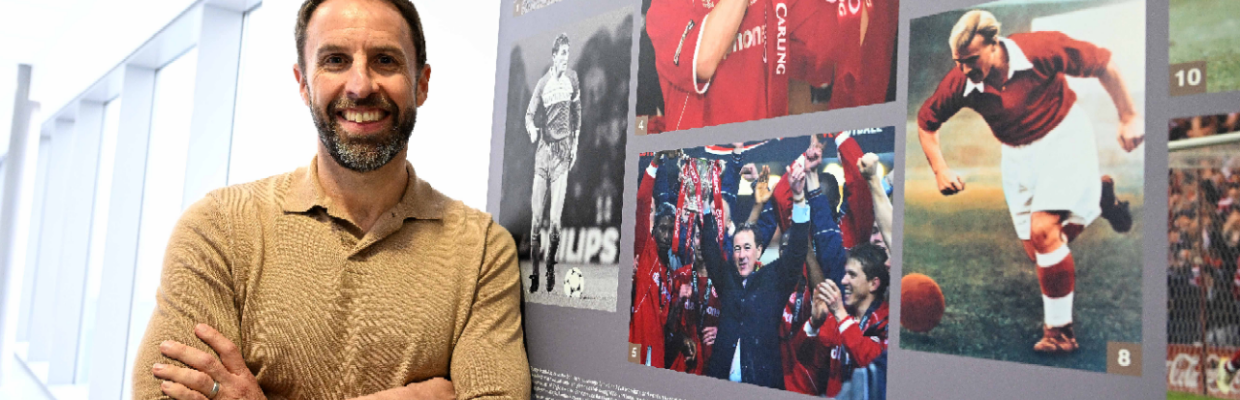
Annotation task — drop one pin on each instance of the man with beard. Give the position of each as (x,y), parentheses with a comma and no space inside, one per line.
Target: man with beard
(350,277)
(553,121)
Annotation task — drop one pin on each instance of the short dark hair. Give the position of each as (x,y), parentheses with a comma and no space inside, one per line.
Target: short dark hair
(561,40)
(752,229)
(873,260)
(405,7)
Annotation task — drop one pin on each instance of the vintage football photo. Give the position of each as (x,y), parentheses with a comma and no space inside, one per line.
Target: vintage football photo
(1024,183)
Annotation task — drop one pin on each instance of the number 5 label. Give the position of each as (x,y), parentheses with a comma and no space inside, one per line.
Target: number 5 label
(1188,78)
(1124,358)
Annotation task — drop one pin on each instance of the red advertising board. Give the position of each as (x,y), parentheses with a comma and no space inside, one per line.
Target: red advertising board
(1187,373)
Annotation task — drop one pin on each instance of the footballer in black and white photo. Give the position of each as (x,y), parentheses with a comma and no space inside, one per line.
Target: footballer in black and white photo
(564,143)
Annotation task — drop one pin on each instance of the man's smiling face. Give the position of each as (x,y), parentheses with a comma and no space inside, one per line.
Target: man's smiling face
(361,81)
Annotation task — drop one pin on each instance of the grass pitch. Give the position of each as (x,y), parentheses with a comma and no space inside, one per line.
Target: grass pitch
(994,304)
(1207,30)
(1186,396)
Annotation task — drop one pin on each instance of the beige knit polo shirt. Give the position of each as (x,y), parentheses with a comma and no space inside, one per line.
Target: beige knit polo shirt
(322,312)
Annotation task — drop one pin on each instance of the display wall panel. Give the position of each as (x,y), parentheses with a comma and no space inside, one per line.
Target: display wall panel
(1123,306)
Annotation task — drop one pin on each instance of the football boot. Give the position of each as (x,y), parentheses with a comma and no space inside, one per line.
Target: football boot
(1057,340)
(1114,211)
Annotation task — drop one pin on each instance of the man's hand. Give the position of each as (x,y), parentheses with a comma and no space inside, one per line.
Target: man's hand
(533,134)
(949,182)
(432,389)
(708,335)
(796,182)
(818,310)
(813,155)
(830,297)
(835,303)
(749,172)
(868,165)
(195,383)
(1131,134)
(690,350)
(762,190)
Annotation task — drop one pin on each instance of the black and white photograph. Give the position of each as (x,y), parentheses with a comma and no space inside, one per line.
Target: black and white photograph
(568,92)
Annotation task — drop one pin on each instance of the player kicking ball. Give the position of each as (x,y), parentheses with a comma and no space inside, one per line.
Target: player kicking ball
(1050,163)
(553,121)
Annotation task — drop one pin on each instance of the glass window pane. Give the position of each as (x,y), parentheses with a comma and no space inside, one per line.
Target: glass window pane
(270,113)
(98,236)
(163,190)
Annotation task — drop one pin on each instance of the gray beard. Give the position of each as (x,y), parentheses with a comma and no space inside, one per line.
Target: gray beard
(364,154)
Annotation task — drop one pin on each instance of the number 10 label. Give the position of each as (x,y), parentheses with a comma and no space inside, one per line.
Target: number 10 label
(1188,78)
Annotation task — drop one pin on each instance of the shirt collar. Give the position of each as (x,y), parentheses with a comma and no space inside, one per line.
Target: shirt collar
(419,201)
(1017,61)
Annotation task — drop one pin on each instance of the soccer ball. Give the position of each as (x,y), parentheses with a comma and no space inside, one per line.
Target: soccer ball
(574,283)
(921,303)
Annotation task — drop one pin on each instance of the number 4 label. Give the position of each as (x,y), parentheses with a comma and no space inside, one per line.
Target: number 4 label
(642,122)
(1188,78)
(1124,358)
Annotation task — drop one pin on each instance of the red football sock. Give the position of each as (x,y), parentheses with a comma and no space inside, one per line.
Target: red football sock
(1057,277)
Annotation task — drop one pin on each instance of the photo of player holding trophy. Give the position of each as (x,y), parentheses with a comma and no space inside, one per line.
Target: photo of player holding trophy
(766,263)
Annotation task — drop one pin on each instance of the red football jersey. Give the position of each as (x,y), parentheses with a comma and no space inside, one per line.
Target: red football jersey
(649,308)
(750,83)
(864,73)
(852,344)
(1033,101)
(650,305)
(799,377)
(687,325)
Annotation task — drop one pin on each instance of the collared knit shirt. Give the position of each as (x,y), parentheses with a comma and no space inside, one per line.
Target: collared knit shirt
(322,310)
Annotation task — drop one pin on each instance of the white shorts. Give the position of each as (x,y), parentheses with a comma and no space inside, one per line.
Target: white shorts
(1058,172)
